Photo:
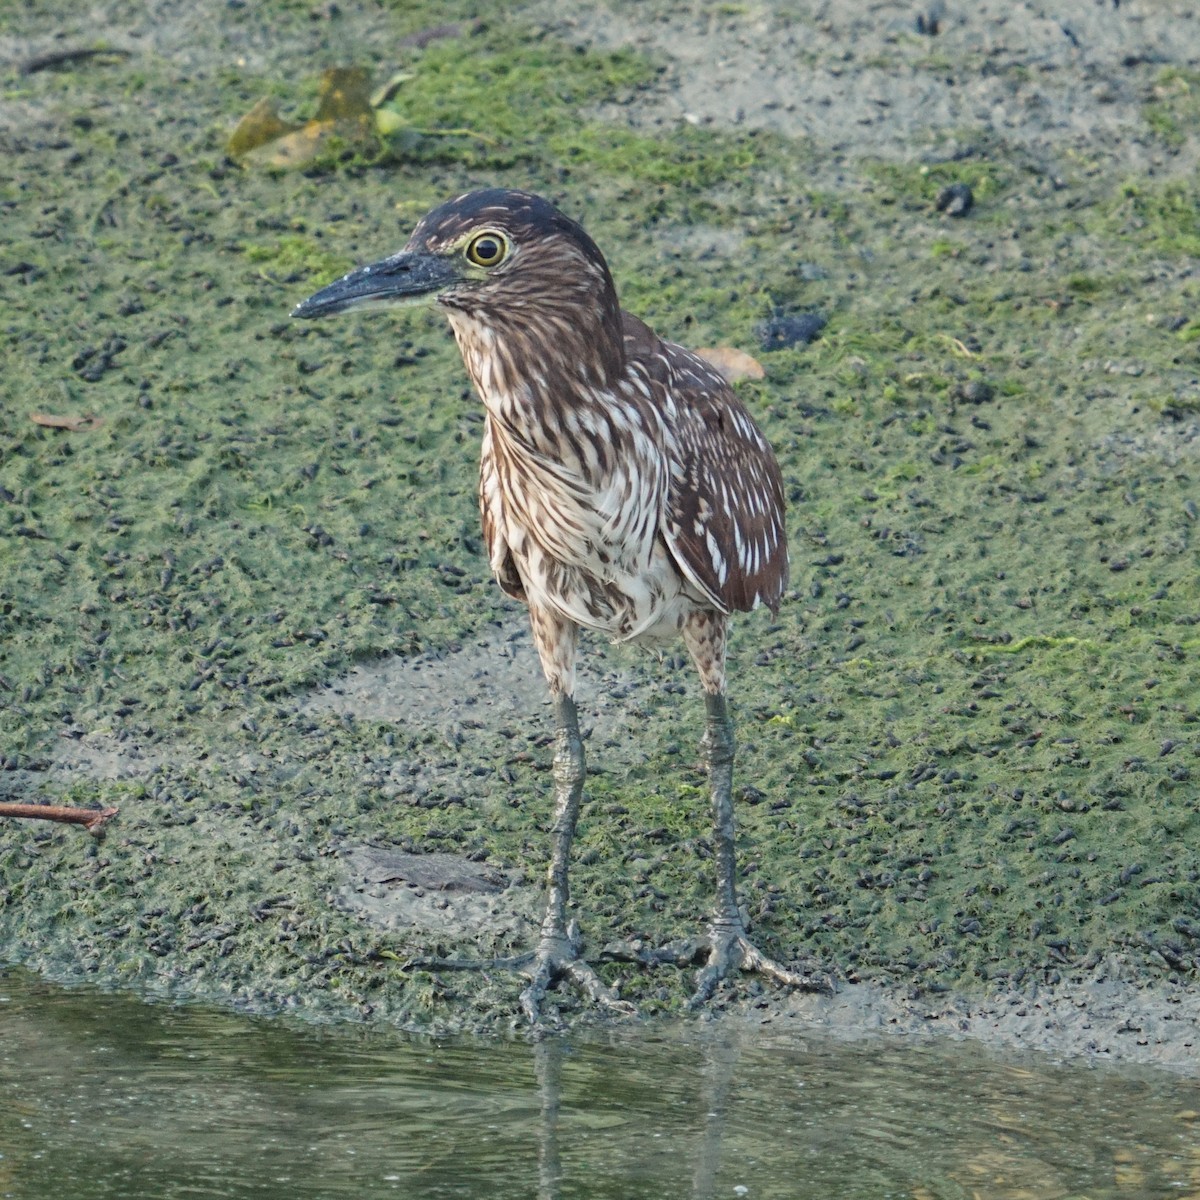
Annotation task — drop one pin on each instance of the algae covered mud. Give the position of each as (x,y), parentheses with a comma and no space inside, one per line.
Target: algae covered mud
(246,602)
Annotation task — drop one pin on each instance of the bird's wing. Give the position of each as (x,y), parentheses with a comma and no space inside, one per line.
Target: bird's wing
(499,553)
(724,519)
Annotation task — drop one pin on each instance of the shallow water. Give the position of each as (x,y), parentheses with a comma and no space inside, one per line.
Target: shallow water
(106,1097)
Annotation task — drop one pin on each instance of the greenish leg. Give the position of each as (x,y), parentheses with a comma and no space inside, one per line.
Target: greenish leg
(557,954)
(730,947)
(718,747)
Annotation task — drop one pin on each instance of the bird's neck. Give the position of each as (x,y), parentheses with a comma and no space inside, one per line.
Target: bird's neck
(524,365)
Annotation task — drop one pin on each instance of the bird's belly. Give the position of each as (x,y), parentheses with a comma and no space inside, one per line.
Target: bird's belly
(642,598)
(586,542)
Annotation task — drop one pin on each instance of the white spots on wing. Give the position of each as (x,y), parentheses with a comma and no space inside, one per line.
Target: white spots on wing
(720,566)
(746,429)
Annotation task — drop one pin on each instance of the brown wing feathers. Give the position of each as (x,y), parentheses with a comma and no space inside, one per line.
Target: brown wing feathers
(725,508)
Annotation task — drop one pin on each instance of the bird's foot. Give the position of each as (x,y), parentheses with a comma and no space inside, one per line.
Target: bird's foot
(725,948)
(730,949)
(557,957)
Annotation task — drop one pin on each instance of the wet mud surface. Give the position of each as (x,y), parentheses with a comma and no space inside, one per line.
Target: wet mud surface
(249,605)
(1054,81)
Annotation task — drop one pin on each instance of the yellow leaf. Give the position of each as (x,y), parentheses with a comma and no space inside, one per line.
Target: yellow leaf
(388,121)
(382,95)
(345,94)
(304,144)
(260,126)
(344,113)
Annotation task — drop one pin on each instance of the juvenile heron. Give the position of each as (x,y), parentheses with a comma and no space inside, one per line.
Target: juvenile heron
(623,487)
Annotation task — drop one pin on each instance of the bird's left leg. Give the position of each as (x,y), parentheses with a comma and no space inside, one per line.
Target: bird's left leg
(729,943)
(557,954)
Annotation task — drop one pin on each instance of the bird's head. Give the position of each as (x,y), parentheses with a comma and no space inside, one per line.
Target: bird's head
(504,258)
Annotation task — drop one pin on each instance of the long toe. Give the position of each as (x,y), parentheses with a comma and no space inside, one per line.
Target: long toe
(753,959)
(557,959)
(731,950)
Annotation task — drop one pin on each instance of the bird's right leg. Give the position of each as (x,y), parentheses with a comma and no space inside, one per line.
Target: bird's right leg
(730,947)
(557,955)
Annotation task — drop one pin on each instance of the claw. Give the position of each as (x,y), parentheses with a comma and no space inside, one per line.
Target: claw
(557,957)
(731,949)
(725,947)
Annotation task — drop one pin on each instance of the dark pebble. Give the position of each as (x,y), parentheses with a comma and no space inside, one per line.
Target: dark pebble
(929,21)
(783,330)
(975,391)
(956,200)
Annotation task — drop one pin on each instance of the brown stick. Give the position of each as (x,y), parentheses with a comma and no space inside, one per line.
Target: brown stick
(59,58)
(92,819)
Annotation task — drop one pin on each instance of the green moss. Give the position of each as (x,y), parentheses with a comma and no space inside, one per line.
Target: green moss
(1175,108)
(695,160)
(1087,285)
(512,89)
(296,254)
(989,179)
(1162,217)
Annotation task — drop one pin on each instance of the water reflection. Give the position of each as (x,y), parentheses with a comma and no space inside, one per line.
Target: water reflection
(104,1097)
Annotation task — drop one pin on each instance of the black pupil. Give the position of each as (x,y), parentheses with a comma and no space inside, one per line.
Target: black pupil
(487,249)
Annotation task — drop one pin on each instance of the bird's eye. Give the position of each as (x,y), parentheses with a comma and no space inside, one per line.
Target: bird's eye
(487,249)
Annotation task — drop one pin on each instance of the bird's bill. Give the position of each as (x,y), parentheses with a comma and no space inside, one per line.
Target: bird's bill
(405,278)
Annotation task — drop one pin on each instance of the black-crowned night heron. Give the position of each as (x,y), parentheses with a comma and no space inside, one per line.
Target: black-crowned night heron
(623,486)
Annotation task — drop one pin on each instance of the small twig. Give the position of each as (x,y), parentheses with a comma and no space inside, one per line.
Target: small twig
(59,58)
(962,349)
(92,819)
(487,141)
(468,964)
(390,123)
(452,29)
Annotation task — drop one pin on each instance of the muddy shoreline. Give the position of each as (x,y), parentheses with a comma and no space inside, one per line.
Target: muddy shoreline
(1112,1014)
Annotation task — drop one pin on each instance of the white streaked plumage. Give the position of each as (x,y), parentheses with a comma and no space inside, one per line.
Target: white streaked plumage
(623,486)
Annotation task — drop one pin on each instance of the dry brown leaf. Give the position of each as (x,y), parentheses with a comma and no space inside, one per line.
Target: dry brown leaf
(344,113)
(345,95)
(75,424)
(733,364)
(260,126)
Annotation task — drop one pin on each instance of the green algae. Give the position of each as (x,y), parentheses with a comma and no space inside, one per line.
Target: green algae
(1155,216)
(1172,112)
(968,744)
